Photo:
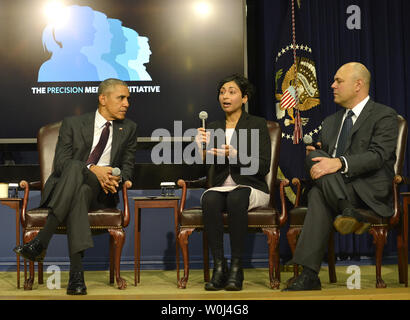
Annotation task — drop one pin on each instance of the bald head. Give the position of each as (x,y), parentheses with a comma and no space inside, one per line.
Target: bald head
(351,84)
(359,72)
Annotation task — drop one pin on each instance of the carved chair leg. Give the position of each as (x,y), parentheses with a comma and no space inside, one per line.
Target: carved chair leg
(400,252)
(405,250)
(119,237)
(40,273)
(183,244)
(27,237)
(292,235)
(379,239)
(28,284)
(112,252)
(177,259)
(406,265)
(273,241)
(331,258)
(25,270)
(206,256)
(276,260)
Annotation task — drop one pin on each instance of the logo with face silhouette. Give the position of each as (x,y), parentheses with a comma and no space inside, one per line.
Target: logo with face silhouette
(89,46)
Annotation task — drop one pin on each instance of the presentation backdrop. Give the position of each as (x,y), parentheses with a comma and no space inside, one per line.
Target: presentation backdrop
(171,54)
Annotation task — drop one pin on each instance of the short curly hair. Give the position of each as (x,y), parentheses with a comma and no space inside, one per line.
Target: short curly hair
(246,87)
(109,83)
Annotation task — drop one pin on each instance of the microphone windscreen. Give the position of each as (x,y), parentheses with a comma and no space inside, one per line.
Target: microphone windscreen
(203,115)
(116,172)
(307,139)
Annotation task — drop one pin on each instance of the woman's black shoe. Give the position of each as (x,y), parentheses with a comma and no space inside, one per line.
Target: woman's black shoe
(235,278)
(219,275)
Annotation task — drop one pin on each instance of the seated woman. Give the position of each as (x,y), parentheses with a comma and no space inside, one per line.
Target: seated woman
(238,164)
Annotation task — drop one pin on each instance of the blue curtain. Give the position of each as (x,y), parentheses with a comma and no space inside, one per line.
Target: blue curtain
(382,44)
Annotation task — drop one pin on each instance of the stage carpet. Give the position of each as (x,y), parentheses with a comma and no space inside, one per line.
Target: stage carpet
(161,285)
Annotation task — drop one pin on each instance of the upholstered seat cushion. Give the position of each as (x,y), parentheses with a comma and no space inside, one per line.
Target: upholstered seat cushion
(259,217)
(297,216)
(99,219)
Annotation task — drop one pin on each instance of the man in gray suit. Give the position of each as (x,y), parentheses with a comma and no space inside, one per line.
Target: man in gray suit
(89,147)
(354,167)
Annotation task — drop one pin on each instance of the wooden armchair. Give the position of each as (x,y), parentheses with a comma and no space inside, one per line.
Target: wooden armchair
(267,220)
(379,225)
(108,220)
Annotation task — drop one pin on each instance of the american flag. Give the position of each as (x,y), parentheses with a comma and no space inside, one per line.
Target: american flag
(288,99)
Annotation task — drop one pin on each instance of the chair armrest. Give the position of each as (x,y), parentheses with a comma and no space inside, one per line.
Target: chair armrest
(200,183)
(126,217)
(35,185)
(397,181)
(185,184)
(26,187)
(284,213)
(182,184)
(300,185)
(296,182)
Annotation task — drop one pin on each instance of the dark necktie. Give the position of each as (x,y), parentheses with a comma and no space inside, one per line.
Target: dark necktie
(344,134)
(95,155)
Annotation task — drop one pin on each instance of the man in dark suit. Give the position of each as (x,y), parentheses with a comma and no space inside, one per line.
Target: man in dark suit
(89,147)
(354,167)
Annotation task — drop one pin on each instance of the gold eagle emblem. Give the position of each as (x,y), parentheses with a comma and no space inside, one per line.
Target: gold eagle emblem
(307,88)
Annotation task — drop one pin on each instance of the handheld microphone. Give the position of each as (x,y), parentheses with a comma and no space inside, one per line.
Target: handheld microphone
(116,172)
(203,115)
(308,141)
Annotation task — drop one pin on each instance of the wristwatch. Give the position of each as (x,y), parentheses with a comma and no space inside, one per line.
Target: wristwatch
(343,168)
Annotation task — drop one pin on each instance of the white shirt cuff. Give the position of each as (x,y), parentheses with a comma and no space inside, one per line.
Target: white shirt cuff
(346,166)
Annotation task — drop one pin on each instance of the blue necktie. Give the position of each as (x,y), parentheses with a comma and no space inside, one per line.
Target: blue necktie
(344,134)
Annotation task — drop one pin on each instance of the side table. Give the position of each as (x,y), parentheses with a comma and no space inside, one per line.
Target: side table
(15,203)
(152,202)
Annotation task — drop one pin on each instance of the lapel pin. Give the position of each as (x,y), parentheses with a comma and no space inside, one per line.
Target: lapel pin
(120,129)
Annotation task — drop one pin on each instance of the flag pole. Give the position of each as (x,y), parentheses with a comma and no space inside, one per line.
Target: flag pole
(297,132)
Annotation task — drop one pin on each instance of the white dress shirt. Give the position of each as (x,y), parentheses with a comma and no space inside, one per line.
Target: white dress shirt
(356,110)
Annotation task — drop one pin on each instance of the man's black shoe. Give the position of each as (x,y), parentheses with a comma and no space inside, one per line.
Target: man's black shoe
(351,221)
(76,285)
(219,275)
(304,282)
(32,250)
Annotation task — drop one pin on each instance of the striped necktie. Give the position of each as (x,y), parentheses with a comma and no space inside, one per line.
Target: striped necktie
(95,155)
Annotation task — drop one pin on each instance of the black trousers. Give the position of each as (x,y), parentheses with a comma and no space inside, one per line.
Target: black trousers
(323,201)
(235,203)
(76,192)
